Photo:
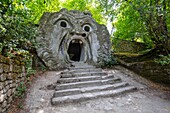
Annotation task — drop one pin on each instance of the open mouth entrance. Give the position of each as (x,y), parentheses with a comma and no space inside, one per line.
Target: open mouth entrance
(75,49)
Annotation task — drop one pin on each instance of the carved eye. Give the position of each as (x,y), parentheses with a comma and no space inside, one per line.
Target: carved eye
(87,28)
(63,23)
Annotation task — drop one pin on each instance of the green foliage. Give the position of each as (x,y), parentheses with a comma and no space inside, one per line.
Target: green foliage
(144,21)
(86,5)
(163,60)
(20,105)
(20,90)
(30,71)
(38,7)
(110,62)
(17,32)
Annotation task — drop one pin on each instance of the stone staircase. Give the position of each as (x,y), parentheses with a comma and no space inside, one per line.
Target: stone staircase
(84,82)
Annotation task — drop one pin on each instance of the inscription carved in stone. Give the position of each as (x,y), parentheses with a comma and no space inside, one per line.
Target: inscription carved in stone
(72,36)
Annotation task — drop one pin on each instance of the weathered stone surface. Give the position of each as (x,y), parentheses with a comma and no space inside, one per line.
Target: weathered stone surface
(86,96)
(76,87)
(2,77)
(1,68)
(89,89)
(9,76)
(9,92)
(6,68)
(23,69)
(71,36)
(7,87)
(11,73)
(9,100)
(4,104)
(2,96)
(1,85)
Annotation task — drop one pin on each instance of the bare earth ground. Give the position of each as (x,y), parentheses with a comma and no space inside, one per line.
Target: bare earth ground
(149,98)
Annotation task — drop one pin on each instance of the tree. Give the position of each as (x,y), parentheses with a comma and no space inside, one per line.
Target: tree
(147,20)
(17,32)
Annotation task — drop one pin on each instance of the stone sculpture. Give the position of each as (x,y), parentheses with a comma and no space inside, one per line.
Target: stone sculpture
(72,36)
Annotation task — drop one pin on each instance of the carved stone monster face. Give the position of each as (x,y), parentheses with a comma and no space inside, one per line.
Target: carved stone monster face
(71,36)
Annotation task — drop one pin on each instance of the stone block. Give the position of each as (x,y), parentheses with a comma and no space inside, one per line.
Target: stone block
(11,85)
(8,105)
(17,85)
(1,85)
(2,77)
(23,79)
(13,90)
(7,87)
(14,68)
(23,69)
(14,85)
(6,82)
(14,76)
(19,69)
(9,93)
(19,75)
(4,104)
(2,96)
(4,90)
(0,108)
(9,76)
(6,68)
(17,81)
(9,100)
(4,110)
(5,96)
(23,74)
(1,68)
(11,67)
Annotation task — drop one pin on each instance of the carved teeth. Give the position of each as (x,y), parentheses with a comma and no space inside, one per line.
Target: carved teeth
(73,41)
(80,42)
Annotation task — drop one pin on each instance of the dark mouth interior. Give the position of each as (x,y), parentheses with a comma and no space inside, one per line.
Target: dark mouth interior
(74,50)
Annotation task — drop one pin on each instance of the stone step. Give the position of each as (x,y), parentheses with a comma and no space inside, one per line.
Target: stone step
(82,67)
(76,64)
(87,83)
(83,78)
(87,96)
(83,74)
(88,89)
(81,70)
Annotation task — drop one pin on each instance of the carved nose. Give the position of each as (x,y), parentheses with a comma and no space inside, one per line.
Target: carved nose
(76,32)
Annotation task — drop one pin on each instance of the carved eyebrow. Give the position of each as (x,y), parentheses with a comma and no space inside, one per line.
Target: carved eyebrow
(61,17)
(87,21)
(57,20)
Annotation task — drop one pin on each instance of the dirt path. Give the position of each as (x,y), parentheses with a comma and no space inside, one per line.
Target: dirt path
(147,99)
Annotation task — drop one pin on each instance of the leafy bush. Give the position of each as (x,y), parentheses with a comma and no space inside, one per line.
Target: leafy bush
(163,60)
(17,32)
(110,61)
(20,90)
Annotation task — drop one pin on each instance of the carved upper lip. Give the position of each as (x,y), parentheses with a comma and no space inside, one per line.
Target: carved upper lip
(75,37)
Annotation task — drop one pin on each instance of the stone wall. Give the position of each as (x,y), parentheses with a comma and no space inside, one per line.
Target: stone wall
(128,46)
(150,70)
(12,73)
